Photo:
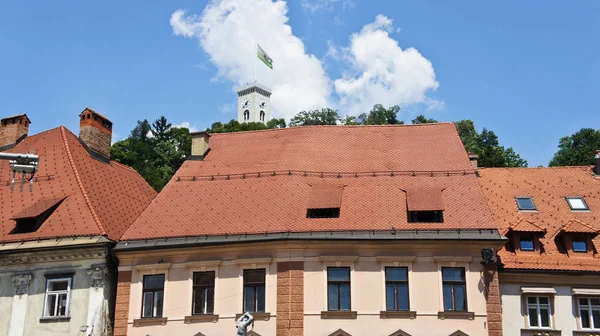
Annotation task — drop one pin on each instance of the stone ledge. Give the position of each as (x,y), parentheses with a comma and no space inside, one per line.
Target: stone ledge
(341,315)
(397,314)
(201,318)
(55,319)
(148,321)
(257,316)
(457,315)
(543,332)
(586,333)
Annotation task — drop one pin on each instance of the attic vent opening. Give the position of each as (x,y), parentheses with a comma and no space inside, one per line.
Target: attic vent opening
(324,201)
(425,205)
(31,219)
(426,216)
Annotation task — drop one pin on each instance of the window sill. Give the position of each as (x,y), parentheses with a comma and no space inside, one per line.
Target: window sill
(55,319)
(149,321)
(595,332)
(201,318)
(257,316)
(338,315)
(397,314)
(541,332)
(457,315)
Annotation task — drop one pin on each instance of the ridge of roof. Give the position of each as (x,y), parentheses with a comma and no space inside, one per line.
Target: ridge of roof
(79,182)
(532,168)
(328,126)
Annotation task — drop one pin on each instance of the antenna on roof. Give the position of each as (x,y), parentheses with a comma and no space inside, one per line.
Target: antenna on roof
(25,164)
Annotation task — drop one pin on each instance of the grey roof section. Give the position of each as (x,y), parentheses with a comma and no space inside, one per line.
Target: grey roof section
(250,85)
(447,235)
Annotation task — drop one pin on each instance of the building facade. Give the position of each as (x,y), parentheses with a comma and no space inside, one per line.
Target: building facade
(550,273)
(57,271)
(329,231)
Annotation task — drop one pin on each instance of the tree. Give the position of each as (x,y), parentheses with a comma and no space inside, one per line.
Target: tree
(155,157)
(380,115)
(421,119)
(325,116)
(577,149)
(236,126)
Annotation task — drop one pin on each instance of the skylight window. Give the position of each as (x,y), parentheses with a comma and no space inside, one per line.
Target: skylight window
(525,203)
(577,203)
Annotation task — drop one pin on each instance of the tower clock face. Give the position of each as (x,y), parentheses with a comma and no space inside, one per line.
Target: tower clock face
(246,103)
(262,104)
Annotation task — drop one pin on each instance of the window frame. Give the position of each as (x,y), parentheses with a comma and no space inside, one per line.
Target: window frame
(527,236)
(57,293)
(340,283)
(525,209)
(579,239)
(568,198)
(204,288)
(537,306)
(455,283)
(396,283)
(254,285)
(154,291)
(590,308)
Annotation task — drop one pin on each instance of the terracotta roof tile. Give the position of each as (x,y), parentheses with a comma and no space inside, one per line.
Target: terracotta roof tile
(424,199)
(101,198)
(548,187)
(39,207)
(525,225)
(257,182)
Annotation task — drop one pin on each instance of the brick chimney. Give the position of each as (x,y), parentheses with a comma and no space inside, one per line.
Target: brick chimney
(597,163)
(200,146)
(13,130)
(473,158)
(95,130)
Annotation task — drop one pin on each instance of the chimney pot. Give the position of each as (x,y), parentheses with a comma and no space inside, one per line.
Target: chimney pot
(597,163)
(13,130)
(473,158)
(95,130)
(200,144)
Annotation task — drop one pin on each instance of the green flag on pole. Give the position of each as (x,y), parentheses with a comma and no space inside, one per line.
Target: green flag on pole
(262,55)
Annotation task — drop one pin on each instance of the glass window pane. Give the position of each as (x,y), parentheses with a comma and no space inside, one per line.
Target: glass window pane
(396,274)
(260,299)
(531,300)
(403,297)
(545,315)
(585,318)
(210,300)
(527,243)
(51,305)
(579,245)
(452,274)
(249,299)
(147,304)
(154,281)
(338,274)
(525,203)
(62,305)
(198,301)
(543,299)
(448,298)
(333,297)
(595,302)
(390,297)
(59,285)
(158,303)
(533,317)
(583,301)
(596,318)
(577,203)
(254,276)
(344,297)
(204,278)
(460,295)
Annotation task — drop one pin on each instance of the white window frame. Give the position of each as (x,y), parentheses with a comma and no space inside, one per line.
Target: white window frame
(57,293)
(590,308)
(580,198)
(537,306)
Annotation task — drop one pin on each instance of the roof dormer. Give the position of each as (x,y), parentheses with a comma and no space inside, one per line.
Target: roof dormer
(575,238)
(524,237)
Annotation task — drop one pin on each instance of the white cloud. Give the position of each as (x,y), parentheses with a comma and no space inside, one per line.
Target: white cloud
(317,5)
(227,108)
(332,50)
(228,31)
(381,72)
(186,124)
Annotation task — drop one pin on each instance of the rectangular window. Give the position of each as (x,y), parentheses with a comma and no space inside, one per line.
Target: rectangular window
(455,289)
(254,290)
(426,216)
(577,203)
(152,295)
(204,293)
(589,312)
(338,288)
(323,213)
(526,243)
(396,288)
(538,309)
(525,203)
(579,245)
(58,293)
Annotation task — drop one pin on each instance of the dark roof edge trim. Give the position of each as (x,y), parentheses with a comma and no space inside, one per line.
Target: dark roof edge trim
(491,235)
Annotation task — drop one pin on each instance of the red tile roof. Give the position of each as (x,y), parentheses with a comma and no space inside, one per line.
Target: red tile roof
(102,199)
(261,181)
(548,187)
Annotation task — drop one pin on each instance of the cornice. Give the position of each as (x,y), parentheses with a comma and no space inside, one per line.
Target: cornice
(56,256)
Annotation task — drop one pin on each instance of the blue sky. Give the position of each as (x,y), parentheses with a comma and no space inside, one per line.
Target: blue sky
(525,70)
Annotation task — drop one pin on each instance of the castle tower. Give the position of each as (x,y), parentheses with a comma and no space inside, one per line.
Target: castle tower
(254,103)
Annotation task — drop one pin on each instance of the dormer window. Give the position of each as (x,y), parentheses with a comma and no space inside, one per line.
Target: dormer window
(580,245)
(31,218)
(323,213)
(525,203)
(324,201)
(425,205)
(577,203)
(525,236)
(576,238)
(527,243)
(426,216)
